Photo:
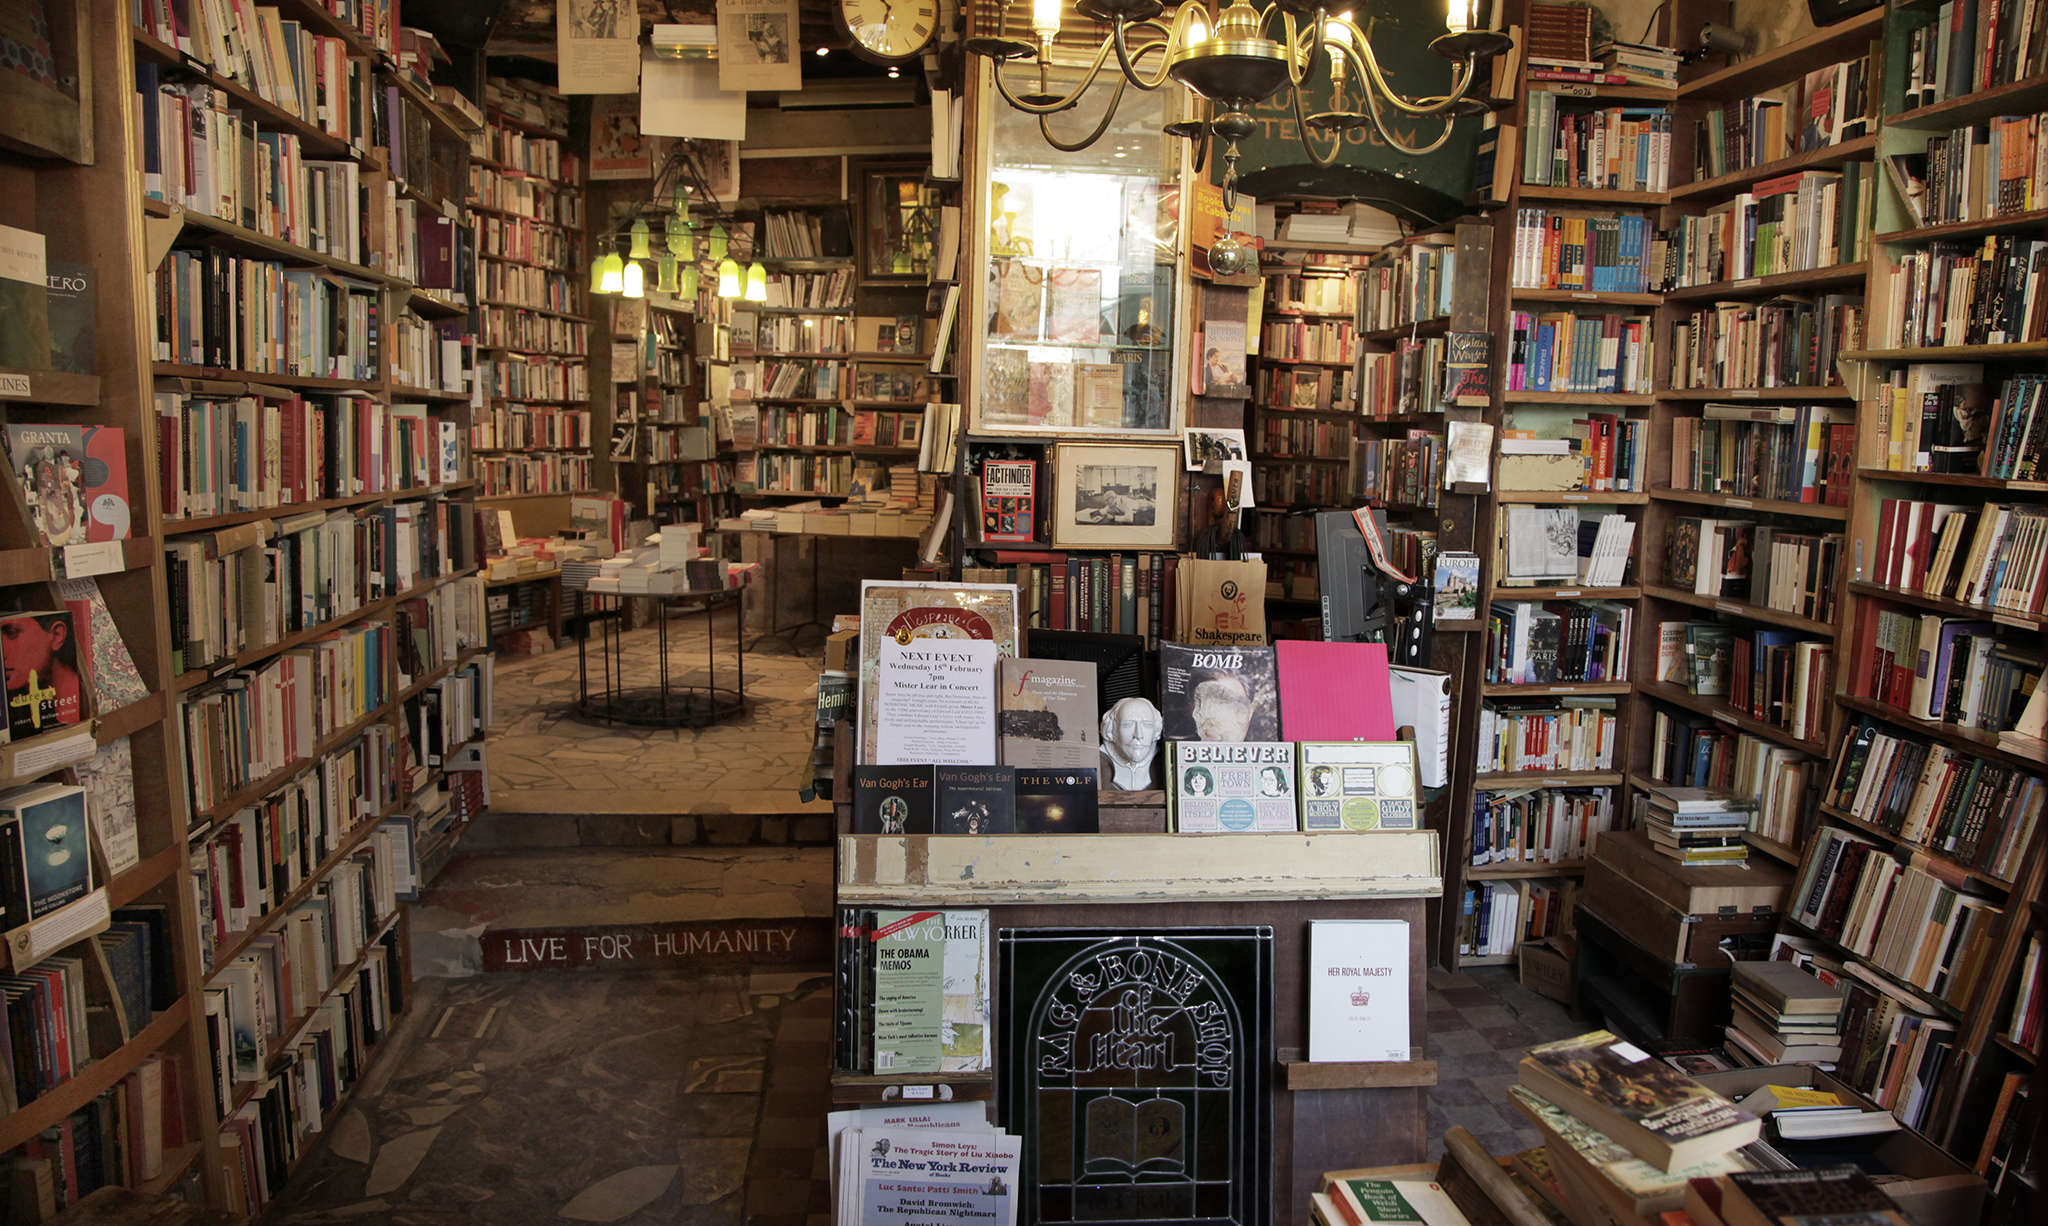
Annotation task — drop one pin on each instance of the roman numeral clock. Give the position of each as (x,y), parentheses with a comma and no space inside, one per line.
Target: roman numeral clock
(888,31)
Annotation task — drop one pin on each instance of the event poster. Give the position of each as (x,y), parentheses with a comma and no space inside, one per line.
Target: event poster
(616,148)
(938,702)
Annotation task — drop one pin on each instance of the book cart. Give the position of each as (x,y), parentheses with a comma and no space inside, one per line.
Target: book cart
(1136,876)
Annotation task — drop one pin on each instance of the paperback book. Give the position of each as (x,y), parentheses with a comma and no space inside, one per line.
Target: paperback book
(1653,1110)
(1217,788)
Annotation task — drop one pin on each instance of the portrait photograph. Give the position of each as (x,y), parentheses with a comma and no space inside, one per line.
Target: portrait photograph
(1120,495)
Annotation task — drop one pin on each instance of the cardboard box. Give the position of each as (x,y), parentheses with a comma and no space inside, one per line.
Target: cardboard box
(839,649)
(1547,967)
(1937,1188)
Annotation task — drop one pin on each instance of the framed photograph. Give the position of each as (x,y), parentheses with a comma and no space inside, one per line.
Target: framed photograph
(1206,448)
(1116,495)
(899,220)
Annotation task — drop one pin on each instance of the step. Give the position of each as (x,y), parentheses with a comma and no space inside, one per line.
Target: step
(500,831)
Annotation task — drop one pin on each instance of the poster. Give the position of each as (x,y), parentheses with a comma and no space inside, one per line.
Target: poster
(598,45)
(758,45)
(937,702)
(616,150)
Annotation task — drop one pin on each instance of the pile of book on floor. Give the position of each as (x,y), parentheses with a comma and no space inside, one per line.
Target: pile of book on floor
(1784,1015)
(1696,825)
(1628,1136)
(906,1163)
(1639,63)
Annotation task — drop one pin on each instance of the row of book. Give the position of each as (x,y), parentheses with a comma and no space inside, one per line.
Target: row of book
(1562,351)
(1408,381)
(436,627)
(521,241)
(308,76)
(1993,169)
(1537,825)
(517,376)
(1793,223)
(1114,593)
(427,249)
(777,426)
(1978,814)
(1578,249)
(523,152)
(1786,341)
(510,328)
(1972,45)
(1304,340)
(1324,389)
(1975,555)
(1557,641)
(888,428)
(1790,453)
(1826,107)
(244,587)
(1616,148)
(1289,483)
(797,474)
(550,202)
(447,716)
(523,284)
(1931,417)
(1325,290)
(1694,751)
(1410,285)
(809,290)
(1950,669)
(1774,676)
(1762,564)
(1900,917)
(1605,451)
(2018,434)
(1407,471)
(1987,293)
(297,1096)
(215,308)
(550,472)
(508,426)
(1537,547)
(792,379)
(220,453)
(429,353)
(1294,438)
(1496,917)
(791,234)
(53,1023)
(805,334)
(1576,734)
(257,721)
(117,1139)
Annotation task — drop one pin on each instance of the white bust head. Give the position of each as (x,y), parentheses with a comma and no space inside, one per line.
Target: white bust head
(1130,738)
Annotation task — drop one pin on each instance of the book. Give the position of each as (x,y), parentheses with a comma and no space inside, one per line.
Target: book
(1844,1195)
(1358,990)
(1365,1201)
(44,687)
(1008,500)
(115,680)
(55,856)
(1334,691)
(1623,1181)
(1061,801)
(1046,713)
(1357,785)
(24,300)
(893,800)
(1225,693)
(1226,787)
(1653,1110)
(930,991)
(109,781)
(74,480)
(974,799)
(70,307)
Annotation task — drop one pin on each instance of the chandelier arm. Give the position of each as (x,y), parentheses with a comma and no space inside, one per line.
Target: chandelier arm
(1399,143)
(1307,144)
(1058,104)
(1427,106)
(1172,34)
(1202,140)
(1109,113)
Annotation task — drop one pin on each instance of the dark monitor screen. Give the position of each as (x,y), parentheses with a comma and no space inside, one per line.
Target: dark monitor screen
(1123,668)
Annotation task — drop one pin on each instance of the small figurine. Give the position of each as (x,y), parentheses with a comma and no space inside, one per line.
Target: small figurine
(1130,739)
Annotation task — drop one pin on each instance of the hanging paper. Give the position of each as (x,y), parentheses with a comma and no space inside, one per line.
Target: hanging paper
(598,45)
(757,45)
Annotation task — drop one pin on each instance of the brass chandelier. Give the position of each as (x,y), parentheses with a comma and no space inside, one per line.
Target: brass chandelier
(1244,58)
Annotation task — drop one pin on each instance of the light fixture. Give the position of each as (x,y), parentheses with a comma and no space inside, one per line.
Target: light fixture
(1245,58)
(718,241)
(681,211)
(757,283)
(597,275)
(728,279)
(640,249)
(823,52)
(612,276)
(688,287)
(635,280)
(665,274)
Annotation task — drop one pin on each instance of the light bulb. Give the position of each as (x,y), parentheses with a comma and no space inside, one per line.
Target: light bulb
(640,250)
(757,283)
(728,279)
(613,278)
(1459,17)
(635,280)
(597,275)
(1045,18)
(1198,27)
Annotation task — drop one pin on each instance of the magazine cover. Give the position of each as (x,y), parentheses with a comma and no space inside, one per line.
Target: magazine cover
(44,686)
(74,480)
(1046,714)
(1219,693)
(1357,785)
(1218,788)
(1009,505)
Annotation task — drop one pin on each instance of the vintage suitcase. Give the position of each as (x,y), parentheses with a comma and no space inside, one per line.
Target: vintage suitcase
(1718,889)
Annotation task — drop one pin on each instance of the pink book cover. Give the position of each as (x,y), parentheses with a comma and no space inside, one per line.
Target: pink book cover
(1334,691)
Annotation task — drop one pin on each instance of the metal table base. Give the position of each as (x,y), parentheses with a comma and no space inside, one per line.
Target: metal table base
(664,702)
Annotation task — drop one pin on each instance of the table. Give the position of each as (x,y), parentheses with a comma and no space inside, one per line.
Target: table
(663,702)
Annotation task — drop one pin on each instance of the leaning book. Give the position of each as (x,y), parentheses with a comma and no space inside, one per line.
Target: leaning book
(1656,1112)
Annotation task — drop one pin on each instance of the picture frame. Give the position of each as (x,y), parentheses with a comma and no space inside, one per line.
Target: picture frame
(1116,495)
(1205,448)
(899,217)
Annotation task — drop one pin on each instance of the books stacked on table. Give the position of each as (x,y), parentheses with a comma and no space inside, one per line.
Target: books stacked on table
(1783,1014)
(1353,1199)
(1840,1195)
(1798,1114)
(1639,63)
(1697,825)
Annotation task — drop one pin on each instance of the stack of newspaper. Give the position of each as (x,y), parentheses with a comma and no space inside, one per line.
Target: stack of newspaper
(922,1162)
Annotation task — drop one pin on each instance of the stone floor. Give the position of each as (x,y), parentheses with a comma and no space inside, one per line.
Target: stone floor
(1480,1023)
(545,759)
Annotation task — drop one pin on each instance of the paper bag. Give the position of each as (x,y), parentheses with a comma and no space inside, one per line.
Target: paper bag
(1220,603)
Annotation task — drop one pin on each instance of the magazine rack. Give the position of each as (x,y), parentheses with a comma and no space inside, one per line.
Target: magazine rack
(1141,876)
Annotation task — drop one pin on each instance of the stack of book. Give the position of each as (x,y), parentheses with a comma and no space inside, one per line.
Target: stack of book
(1696,826)
(1639,63)
(1783,1014)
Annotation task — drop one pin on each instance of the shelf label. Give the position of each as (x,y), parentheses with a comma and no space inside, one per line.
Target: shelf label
(15,385)
(1749,283)
(83,561)
(1574,497)
(920,1092)
(1584,293)
(1568,593)
(1746,393)
(34,941)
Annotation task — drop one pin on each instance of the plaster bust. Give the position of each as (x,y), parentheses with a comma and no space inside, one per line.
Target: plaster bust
(1130,738)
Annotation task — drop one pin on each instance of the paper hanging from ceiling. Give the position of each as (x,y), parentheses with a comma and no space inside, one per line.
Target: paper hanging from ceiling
(597,44)
(758,45)
(616,149)
(682,98)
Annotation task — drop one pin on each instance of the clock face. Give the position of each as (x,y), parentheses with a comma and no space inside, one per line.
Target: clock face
(890,29)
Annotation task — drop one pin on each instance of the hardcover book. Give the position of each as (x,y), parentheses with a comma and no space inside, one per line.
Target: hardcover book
(1219,693)
(1046,715)
(1653,1110)
(1840,1195)
(1057,802)
(1357,785)
(1225,787)
(974,799)
(74,480)
(1642,1188)
(1358,990)
(892,800)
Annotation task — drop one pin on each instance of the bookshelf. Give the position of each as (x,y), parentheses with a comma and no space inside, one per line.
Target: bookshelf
(202,639)
(674,476)
(536,432)
(1919,482)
